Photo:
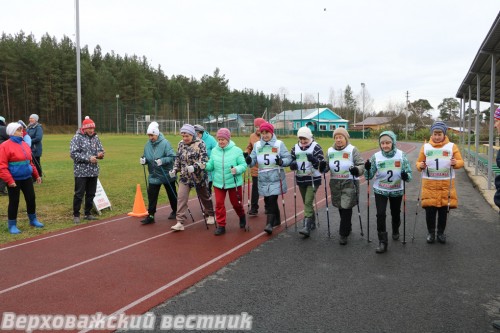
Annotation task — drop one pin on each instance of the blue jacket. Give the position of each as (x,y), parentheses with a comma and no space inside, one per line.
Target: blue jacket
(220,164)
(160,149)
(35,131)
(269,181)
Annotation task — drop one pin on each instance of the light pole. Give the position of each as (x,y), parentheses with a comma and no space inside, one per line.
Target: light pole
(117,115)
(363,86)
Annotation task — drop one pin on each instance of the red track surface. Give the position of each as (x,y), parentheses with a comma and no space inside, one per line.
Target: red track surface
(118,265)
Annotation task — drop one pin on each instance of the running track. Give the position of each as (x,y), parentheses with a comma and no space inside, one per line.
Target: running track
(120,266)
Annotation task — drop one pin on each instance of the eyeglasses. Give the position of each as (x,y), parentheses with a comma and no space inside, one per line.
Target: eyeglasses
(19,129)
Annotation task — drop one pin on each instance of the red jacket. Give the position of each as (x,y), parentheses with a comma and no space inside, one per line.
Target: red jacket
(11,153)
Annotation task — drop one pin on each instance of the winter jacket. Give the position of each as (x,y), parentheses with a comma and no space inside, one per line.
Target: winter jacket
(306,180)
(35,131)
(16,161)
(81,148)
(269,173)
(435,191)
(211,143)
(343,191)
(3,134)
(195,154)
(399,165)
(254,137)
(160,149)
(220,164)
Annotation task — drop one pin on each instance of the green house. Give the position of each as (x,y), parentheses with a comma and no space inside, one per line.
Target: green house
(321,121)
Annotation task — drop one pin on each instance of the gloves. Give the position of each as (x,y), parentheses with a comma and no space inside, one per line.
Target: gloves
(142,160)
(172,173)
(368,165)
(190,168)
(293,165)
(233,170)
(404,175)
(279,160)
(158,162)
(311,158)
(245,155)
(322,166)
(354,171)
(248,159)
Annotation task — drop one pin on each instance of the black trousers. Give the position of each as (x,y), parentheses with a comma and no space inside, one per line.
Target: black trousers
(84,186)
(395,206)
(254,201)
(345,222)
(26,186)
(430,218)
(154,190)
(271,206)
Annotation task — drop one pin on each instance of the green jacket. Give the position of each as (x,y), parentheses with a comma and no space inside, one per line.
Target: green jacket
(220,163)
(160,149)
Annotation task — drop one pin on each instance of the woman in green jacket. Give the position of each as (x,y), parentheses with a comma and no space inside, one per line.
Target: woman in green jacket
(227,164)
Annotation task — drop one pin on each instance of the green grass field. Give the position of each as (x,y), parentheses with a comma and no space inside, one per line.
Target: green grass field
(120,173)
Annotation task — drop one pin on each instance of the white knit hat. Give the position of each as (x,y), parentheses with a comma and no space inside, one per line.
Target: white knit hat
(304,132)
(153,128)
(12,128)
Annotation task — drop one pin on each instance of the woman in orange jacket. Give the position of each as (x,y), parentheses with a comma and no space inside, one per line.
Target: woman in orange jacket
(438,160)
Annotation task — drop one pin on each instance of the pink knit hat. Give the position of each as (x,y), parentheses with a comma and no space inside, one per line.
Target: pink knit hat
(258,121)
(497,114)
(267,127)
(224,133)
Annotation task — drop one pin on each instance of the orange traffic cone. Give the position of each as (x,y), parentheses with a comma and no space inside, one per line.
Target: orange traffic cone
(139,209)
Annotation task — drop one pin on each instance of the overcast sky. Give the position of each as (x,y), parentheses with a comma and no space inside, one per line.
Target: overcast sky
(306,47)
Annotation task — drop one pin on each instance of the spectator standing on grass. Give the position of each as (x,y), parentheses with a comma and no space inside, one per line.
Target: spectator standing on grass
(159,157)
(17,170)
(191,162)
(254,137)
(3,137)
(85,150)
(35,131)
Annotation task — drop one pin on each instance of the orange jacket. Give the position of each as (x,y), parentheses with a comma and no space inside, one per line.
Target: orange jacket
(254,137)
(435,192)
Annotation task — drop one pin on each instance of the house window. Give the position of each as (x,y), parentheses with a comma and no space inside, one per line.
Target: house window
(332,127)
(322,127)
(343,126)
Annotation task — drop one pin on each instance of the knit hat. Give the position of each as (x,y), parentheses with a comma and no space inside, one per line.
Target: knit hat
(12,128)
(341,131)
(224,133)
(88,123)
(188,129)
(439,125)
(497,114)
(258,121)
(305,132)
(199,128)
(267,127)
(153,128)
(20,122)
(34,116)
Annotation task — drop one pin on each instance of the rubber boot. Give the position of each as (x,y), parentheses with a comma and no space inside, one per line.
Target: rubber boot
(313,224)
(34,221)
(306,230)
(13,227)
(269,224)
(243,221)
(382,246)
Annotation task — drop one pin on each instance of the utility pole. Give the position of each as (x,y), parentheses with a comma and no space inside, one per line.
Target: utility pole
(407,107)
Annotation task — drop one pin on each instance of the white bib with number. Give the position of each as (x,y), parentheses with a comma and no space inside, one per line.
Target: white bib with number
(388,176)
(438,161)
(266,156)
(340,161)
(304,167)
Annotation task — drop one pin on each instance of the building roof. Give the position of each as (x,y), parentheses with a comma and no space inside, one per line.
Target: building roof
(373,121)
(303,114)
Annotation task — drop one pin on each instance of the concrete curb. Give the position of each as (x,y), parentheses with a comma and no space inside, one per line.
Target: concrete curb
(481,183)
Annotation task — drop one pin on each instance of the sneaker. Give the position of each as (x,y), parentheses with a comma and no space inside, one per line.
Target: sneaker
(441,238)
(172,216)
(220,231)
(343,240)
(395,236)
(253,212)
(210,220)
(90,217)
(149,219)
(179,227)
(76,219)
(431,237)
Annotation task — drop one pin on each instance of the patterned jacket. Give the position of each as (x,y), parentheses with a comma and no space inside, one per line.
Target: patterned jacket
(195,154)
(81,148)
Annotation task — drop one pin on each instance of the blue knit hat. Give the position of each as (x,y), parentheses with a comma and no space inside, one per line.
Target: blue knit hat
(439,125)
(189,129)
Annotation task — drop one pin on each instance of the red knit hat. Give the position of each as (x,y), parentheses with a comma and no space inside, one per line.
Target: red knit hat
(88,123)
(267,127)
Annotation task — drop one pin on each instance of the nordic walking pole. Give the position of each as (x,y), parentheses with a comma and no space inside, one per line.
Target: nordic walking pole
(171,188)
(326,199)
(295,197)
(282,196)
(145,178)
(416,210)
(238,195)
(249,176)
(368,208)
(199,200)
(404,212)
(315,200)
(357,204)
(38,165)
(449,191)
